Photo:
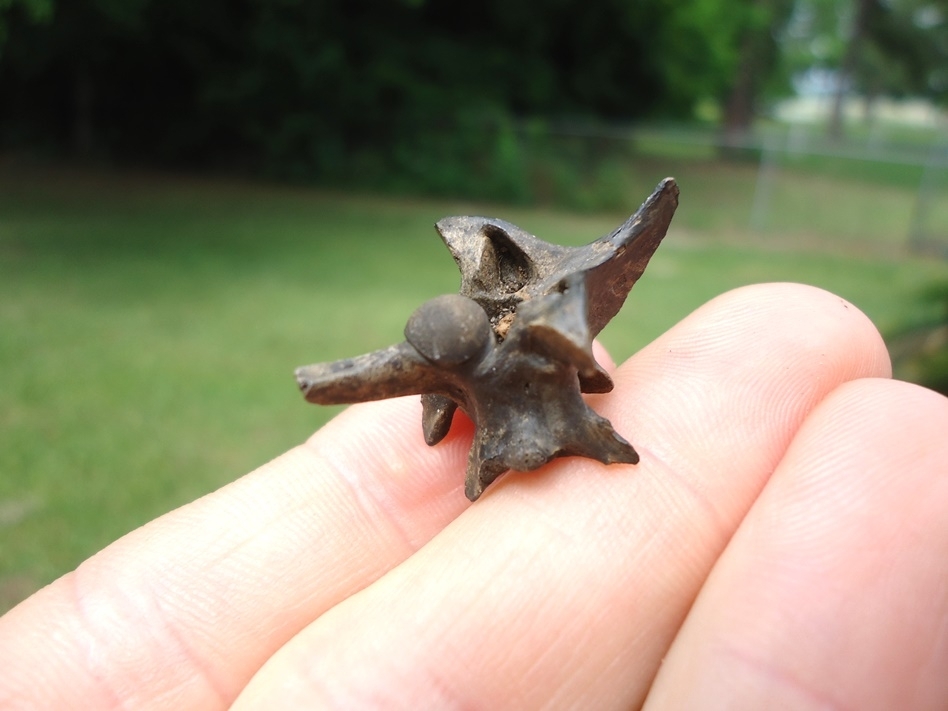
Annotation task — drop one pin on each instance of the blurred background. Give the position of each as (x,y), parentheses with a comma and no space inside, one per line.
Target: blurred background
(195,198)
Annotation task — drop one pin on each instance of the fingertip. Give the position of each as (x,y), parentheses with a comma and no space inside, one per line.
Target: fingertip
(805,316)
(873,435)
(830,592)
(775,350)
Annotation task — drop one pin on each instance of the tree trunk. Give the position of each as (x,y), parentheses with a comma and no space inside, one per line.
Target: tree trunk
(758,56)
(82,126)
(739,110)
(847,69)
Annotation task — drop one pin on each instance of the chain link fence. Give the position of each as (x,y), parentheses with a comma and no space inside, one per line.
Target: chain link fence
(788,183)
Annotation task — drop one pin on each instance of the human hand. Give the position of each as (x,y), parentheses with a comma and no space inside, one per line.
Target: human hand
(783,543)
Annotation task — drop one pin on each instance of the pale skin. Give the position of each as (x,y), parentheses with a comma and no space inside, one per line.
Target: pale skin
(783,543)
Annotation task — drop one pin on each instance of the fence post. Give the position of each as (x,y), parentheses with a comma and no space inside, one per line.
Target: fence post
(920,237)
(763,188)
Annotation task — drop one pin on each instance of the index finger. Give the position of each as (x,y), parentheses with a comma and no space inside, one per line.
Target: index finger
(564,587)
(183,611)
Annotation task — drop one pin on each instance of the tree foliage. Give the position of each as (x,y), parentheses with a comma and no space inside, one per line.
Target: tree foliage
(758,25)
(306,87)
(35,11)
(374,88)
(881,47)
(908,55)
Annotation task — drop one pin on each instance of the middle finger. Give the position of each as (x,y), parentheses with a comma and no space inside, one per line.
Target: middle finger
(565,587)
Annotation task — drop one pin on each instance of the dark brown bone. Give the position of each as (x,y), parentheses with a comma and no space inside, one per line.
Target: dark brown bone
(514,349)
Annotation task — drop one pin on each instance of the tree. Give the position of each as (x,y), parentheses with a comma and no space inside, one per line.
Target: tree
(909,49)
(875,47)
(847,69)
(759,25)
(306,88)
(35,10)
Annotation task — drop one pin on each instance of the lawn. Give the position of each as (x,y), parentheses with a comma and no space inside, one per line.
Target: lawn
(149,327)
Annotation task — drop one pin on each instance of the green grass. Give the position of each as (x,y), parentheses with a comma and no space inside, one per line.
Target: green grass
(826,202)
(149,327)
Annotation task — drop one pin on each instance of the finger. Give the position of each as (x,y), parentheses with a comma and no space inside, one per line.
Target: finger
(602,356)
(832,593)
(564,587)
(183,611)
